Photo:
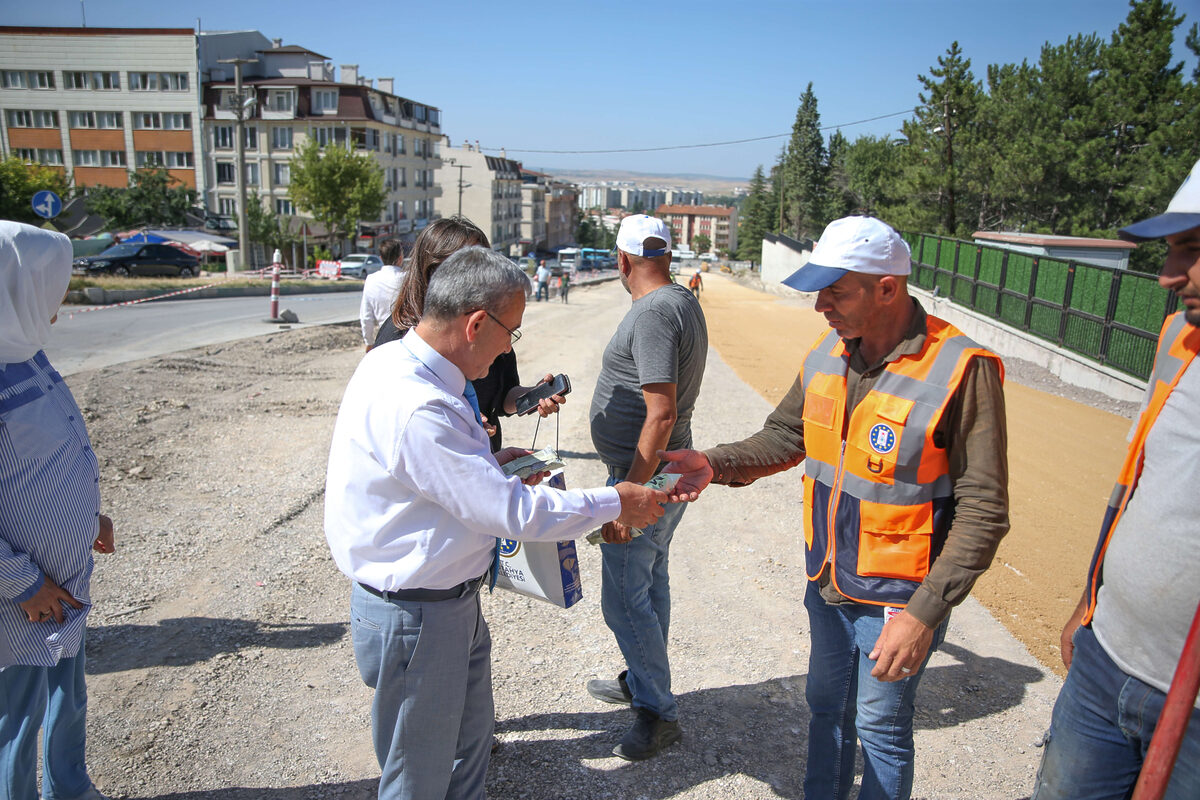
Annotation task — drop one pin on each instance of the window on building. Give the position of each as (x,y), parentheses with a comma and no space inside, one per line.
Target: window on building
(281,138)
(149,158)
(325,100)
(227,206)
(250,134)
(418,147)
(399,210)
(222,137)
(179,159)
(400,144)
(95,119)
(328,136)
(252,174)
(14,79)
(280,101)
(23,118)
(226,173)
(158,81)
(99,158)
(283,174)
(283,207)
(94,81)
(161,120)
(420,112)
(403,177)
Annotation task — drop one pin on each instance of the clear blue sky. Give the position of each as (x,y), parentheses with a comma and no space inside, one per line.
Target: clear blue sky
(564,75)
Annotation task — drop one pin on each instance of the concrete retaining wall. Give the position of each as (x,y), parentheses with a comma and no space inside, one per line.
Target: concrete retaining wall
(783,255)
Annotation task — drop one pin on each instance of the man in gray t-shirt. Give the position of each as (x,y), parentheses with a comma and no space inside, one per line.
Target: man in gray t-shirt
(648,384)
(1122,644)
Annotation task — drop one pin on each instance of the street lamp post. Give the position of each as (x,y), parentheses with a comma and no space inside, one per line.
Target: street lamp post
(461,185)
(240,106)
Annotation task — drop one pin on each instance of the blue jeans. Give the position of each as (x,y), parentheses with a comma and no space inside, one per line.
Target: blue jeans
(1100,731)
(848,705)
(53,698)
(635,596)
(430,665)
(543,289)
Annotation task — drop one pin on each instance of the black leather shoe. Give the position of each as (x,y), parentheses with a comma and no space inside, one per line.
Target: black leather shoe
(615,692)
(647,737)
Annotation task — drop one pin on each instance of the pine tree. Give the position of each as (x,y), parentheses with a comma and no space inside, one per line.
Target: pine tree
(804,171)
(839,200)
(756,220)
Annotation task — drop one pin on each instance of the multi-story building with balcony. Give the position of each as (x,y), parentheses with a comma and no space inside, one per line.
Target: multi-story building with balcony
(533,211)
(98,103)
(489,194)
(298,100)
(562,214)
(718,223)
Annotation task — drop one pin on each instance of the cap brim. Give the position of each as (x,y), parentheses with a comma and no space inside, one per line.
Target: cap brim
(1158,227)
(813,277)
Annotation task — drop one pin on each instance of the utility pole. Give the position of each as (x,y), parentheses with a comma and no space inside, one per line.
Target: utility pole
(240,106)
(460,167)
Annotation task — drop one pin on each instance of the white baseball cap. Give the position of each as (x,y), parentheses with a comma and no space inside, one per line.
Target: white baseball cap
(636,229)
(852,244)
(1183,213)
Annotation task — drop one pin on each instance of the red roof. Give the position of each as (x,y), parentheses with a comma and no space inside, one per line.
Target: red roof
(697,211)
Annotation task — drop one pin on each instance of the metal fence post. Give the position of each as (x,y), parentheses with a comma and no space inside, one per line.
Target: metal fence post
(1066,303)
(1003,284)
(975,277)
(1032,294)
(1110,313)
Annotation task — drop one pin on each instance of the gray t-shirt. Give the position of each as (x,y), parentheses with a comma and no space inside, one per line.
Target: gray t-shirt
(1150,588)
(663,339)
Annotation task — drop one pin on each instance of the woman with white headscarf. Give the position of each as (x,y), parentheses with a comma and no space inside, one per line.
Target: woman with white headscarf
(50,522)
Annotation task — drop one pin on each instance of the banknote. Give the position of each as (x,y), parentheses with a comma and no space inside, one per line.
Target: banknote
(664,480)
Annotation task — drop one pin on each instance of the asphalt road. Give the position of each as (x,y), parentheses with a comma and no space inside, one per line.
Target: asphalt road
(91,337)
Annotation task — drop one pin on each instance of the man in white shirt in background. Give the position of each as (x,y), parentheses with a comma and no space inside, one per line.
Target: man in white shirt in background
(414,503)
(380,290)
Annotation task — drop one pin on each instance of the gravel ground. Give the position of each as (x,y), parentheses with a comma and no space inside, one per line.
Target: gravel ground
(220,666)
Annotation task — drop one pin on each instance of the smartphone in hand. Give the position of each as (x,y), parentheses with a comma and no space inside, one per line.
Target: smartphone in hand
(528,402)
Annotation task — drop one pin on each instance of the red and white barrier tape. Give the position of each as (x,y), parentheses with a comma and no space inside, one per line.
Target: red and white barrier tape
(142,300)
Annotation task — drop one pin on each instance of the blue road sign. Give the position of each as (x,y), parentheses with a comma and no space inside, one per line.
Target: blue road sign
(47,204)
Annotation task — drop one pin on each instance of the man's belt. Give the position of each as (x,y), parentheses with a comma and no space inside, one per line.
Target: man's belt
(427,595)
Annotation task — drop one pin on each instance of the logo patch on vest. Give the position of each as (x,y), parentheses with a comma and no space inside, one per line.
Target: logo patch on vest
(882,438)
(509,547)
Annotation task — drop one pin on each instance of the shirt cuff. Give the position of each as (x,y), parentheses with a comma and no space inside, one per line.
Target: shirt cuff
(928,609)
(32,590)
(608,504)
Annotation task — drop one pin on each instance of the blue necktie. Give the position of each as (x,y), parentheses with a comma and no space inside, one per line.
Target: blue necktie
(473,401)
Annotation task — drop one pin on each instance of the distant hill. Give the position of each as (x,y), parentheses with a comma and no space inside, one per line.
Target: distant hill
(709,184)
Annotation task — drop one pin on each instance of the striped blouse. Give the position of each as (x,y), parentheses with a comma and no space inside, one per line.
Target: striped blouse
(49,510)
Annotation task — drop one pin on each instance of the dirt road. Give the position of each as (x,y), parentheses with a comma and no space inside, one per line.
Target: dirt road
(219,659)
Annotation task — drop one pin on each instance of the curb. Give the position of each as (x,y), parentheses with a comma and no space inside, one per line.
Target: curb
(98,296)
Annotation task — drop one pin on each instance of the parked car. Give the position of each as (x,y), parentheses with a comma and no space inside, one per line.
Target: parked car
(360,265)
(139,259)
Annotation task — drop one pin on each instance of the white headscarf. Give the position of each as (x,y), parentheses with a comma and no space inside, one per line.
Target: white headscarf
(35,269)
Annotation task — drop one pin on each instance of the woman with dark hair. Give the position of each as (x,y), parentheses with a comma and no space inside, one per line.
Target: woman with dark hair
(499,390)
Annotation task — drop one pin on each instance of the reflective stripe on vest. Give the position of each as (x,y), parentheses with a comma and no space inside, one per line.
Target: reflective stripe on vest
(880,503)
(1178,344)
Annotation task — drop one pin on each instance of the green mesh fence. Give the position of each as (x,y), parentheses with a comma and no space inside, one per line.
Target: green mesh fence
(1009,283)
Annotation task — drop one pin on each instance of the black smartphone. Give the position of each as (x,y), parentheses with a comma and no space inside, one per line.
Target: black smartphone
(527,403)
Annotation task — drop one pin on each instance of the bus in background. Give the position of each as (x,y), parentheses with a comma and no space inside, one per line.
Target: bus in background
(568,259)
(594,258)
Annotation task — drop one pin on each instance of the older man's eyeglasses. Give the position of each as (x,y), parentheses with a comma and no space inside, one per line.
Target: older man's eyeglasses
(515,333)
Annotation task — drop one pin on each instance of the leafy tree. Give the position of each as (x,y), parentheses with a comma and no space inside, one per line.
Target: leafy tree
(872,173)
(701,243)
(337,186)
(265,226)
(19,182)
(839,200)
(757,218)
(804,170)
(153,198)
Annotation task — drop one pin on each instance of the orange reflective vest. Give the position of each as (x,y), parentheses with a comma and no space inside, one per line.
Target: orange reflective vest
(1178,344)
(878,502)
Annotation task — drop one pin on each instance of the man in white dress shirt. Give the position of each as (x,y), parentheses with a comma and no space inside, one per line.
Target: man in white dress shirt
(414,503)
(380,290)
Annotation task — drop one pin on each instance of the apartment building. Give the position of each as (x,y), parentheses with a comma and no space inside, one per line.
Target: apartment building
(562,214)
(718,223)
(634,197)
(299,97)
(98,103)
(489,194)
(533,211)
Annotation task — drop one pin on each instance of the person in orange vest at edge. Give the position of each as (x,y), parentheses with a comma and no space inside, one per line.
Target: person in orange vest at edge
(1123,641)
(900,421)
(695,283)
